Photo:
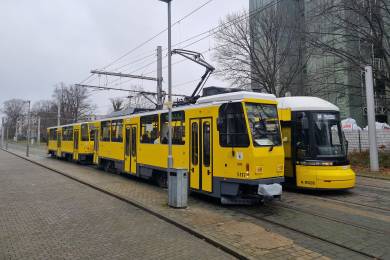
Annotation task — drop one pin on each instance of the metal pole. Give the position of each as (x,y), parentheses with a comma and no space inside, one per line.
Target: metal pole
(159,78)
(6,141)
(170,157)
(2,132)
(39,131)
(374,164)
(59,111)
(16,130)
(28,130)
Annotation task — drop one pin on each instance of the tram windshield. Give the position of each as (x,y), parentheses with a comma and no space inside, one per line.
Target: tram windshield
(319,135)
(264,124)
(327,134)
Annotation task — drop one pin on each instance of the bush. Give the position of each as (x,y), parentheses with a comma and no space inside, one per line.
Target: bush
(363,159)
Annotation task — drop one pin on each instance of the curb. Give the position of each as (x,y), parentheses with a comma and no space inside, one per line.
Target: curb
(218,244)
(373,177)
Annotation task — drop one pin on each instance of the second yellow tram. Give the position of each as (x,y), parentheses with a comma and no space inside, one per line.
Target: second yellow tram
(314,144)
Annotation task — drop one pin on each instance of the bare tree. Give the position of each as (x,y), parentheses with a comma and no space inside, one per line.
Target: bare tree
(262,52)
(117,104)
(14,110)
(359,35)
(46,110)
(75,103)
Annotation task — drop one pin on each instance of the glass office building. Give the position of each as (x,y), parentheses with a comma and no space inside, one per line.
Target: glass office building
(326,75)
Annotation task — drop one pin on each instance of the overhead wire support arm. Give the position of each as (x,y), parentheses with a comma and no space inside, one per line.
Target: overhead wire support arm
(123,75)
(199,59)
(126,90)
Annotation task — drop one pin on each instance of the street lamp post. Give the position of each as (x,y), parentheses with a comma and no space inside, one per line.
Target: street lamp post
(28,129)
(374,163)
(170,157)
(2,133)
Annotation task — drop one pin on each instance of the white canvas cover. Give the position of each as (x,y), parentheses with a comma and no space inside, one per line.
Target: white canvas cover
(349,124)
(380,126)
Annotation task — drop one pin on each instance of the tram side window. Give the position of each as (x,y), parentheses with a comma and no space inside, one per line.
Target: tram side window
(149,129)
(178,127)
(206,144)
(133,141)
(195,143)
(84,132)
(232,127)
(105,130)
(117,131)
(127,142)
(67,133)
(302,134)
(53,134)
(91,132)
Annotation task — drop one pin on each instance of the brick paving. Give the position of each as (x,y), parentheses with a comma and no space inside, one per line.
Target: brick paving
(47,216)
(250,236)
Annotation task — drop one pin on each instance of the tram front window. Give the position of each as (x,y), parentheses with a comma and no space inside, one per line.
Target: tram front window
(264,124)
(327,135)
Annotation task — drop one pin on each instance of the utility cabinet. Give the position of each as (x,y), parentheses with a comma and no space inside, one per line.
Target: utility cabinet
(178,188)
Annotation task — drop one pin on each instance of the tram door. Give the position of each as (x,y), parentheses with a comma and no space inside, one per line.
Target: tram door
(131,149)
(76,144)
(201,161)
(59,144)
(96,146)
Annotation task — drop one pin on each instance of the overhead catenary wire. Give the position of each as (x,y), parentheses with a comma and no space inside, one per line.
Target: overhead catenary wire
(205,35)
(146,42)
(157,35)
(211,32)
(165,67)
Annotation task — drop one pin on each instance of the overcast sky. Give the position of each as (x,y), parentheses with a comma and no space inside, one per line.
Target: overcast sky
(44,42)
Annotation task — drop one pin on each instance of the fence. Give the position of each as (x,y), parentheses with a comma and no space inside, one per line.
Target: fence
(358,140)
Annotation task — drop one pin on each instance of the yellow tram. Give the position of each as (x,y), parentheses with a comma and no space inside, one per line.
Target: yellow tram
(73,141)
(230,144)
(315,147)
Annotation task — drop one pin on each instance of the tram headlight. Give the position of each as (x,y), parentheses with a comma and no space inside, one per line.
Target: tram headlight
(315,163)
(279,168)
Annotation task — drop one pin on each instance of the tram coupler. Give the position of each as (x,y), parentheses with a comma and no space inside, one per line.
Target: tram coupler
(270,190)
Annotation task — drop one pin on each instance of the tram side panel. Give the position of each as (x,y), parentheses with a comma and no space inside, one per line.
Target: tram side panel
(153,142)
(111,147)
(85,143)
(52,141)
(287,137)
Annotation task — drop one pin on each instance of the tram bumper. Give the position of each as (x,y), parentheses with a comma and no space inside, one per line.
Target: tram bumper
(325,177)
(269,190)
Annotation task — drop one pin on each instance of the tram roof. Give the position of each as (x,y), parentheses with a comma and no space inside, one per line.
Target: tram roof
(305,104)
(235,96)
(201,102)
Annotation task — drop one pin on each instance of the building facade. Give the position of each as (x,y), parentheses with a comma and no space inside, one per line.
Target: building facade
(326,75)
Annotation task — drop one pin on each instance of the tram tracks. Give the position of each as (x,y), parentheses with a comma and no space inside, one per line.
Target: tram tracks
(338,220)
(268,219)
(308,201)
(374,187)
(346,202)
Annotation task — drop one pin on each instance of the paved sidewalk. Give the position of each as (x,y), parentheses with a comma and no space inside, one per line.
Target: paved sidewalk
(239,232)
(44,215)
